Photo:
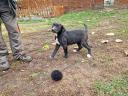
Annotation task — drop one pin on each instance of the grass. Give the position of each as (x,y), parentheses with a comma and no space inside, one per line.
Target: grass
(122,18)
(123,31)
(115,87)
(90,17)
(76,19)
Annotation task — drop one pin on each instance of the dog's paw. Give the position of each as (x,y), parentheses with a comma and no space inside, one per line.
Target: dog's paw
(66,56)
(51,57)
(89,56)
(75,51)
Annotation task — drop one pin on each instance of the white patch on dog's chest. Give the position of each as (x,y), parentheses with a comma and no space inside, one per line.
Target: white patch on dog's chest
(57,41)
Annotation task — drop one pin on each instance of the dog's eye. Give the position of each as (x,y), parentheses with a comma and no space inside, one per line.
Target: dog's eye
(56,25)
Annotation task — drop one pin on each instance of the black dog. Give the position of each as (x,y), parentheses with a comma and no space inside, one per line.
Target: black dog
(65,38)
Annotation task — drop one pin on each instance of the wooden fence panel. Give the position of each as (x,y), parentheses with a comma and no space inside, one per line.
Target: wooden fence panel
(121,3)
(51,8)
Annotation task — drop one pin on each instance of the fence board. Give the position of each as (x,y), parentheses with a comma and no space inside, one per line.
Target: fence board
(52,8)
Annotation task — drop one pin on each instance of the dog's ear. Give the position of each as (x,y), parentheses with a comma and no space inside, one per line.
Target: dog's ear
(62,28)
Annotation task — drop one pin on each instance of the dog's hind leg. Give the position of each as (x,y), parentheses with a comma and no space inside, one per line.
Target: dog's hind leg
(85,45)
(79,47)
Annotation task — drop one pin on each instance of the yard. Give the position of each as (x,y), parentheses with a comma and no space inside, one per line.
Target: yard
(106,75)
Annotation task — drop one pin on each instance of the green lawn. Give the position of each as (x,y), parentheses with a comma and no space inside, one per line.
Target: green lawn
(76,19)
(115,87)
(89,17)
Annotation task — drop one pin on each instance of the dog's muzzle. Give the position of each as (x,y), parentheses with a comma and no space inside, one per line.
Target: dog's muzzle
(54,29)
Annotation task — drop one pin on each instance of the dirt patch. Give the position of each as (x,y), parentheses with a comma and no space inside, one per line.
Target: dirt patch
(33,79)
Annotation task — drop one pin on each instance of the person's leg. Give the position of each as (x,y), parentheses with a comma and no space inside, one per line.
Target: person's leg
(4,65)
(14,36)
(3,47)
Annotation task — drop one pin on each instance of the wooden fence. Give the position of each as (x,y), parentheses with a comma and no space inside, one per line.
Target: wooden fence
(121,3)
(52,8)
(43,8)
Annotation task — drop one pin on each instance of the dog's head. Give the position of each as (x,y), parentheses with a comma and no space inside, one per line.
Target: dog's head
(57,28)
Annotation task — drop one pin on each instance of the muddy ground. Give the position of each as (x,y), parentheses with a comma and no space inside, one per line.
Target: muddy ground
(34,79)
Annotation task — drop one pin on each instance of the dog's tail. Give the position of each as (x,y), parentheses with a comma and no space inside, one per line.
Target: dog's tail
(85,26)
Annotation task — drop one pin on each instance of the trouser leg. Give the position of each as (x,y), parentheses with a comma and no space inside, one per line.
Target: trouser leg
(14,36)
(3,48)
(13,32)
(4,65)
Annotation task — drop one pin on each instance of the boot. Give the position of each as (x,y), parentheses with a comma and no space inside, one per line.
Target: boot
(23,57)
(4,65)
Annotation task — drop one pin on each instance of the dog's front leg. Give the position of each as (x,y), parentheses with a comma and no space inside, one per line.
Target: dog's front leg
(65,51)
(55,51)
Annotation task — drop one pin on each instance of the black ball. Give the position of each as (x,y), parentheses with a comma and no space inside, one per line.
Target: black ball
(56,75)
